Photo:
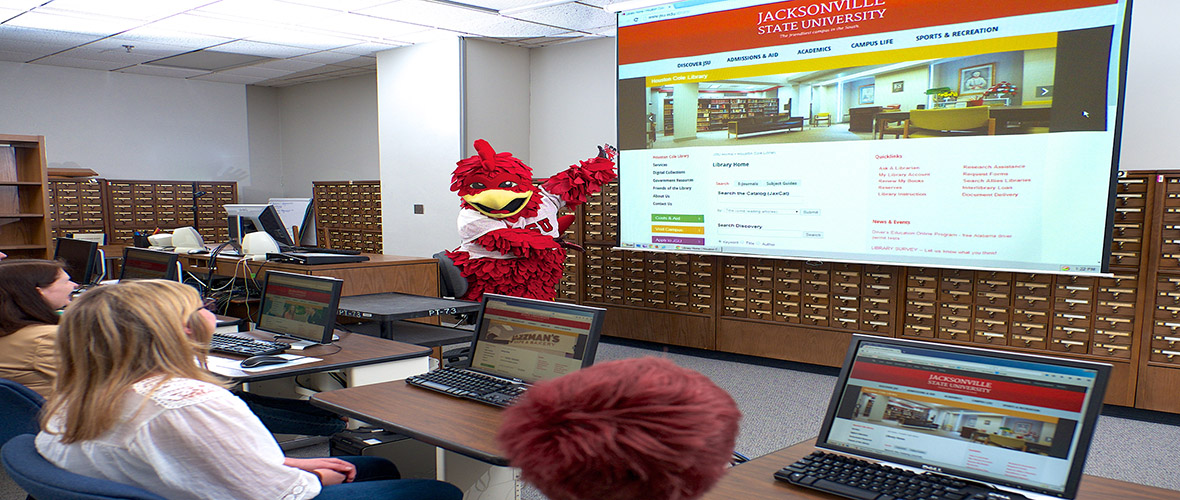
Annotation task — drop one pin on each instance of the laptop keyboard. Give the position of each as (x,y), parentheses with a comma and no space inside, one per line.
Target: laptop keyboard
(244,346)
(466,384)
(863,480)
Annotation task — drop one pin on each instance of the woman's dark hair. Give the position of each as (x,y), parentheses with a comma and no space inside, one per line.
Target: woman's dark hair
(21,304)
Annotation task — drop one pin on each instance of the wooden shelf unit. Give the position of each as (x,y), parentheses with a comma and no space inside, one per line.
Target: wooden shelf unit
(348,215)
(119,207)
(24,199)
(807,311)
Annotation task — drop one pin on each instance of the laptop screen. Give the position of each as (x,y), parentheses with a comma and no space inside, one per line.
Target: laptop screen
(79,257)
(142,264)
(299,305)
(1005,418)
(534,340)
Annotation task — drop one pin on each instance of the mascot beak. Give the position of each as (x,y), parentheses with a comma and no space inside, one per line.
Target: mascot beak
(498,203)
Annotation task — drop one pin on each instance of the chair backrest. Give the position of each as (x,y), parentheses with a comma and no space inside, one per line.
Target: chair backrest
(20,408)
(45,481)
(450,278)
(950,118)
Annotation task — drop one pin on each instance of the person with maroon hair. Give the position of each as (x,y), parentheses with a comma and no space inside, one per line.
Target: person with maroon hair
(622,430)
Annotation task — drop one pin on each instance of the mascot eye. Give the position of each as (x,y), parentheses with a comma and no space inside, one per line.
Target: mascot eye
(507,184)
(476,185)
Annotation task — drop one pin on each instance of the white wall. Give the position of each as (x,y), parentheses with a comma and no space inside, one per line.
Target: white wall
(129,126)
(419,95)
(264,118)
(1151,69)
(573,103)
(328,133)
(496,107)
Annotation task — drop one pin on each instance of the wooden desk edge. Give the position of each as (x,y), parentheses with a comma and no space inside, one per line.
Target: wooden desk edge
(318,400)
(409,351)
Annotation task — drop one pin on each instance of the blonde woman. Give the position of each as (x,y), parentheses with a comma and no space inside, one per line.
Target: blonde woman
(131,405)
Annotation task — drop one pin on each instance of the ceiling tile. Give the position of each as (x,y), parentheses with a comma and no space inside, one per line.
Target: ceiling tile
(292,37)
(20,4)
(341,5)
(158,34)
(6,14)
(145,10)
(39,42)
(289,65)
(256,71)
(207,25)
(224,78)
(361,25)
(367,49)
(13,56)
(329,57)
(116,49)
(91,24)
(74,62)
(358,62)
(262,49)
(572,16)
(269,11)
(144,69)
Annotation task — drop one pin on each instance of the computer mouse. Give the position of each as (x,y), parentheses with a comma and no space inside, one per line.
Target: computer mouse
(255,361)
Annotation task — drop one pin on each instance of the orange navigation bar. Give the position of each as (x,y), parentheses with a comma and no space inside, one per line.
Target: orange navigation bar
(800,21)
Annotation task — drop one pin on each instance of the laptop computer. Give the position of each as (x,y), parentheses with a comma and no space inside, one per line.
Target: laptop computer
(517,342)
(144,264)
(294,307)
(997,424)
(299,307)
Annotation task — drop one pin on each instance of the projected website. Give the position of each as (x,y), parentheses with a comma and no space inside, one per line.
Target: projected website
(850,130)
(530,343)
(1011,423)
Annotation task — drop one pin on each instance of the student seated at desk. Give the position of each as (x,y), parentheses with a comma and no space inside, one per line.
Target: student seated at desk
(31,292)
(622,430)
(131,405)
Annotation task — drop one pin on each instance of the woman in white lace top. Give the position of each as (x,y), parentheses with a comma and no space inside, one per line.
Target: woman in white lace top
(131,405)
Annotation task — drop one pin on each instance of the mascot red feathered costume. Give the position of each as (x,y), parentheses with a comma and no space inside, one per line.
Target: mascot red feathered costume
(510,228)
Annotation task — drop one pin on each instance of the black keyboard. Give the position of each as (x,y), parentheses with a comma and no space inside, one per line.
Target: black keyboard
(863,480)
(233,344)
(465,384)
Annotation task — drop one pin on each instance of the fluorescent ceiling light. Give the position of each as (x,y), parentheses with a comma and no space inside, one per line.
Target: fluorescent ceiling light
(636,4)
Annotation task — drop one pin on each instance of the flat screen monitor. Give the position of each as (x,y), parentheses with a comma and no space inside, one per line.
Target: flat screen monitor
(80,257)
(244,219)
(922,132)
(143,264)
(1009,419)
(300,306)
(533,340)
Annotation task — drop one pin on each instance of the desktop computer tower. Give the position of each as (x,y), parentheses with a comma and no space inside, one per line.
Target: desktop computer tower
(414,459)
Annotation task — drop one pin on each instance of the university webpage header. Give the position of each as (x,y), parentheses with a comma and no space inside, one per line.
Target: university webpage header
(1009,423)
(761,125)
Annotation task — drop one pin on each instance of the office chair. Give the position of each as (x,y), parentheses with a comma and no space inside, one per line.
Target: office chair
(19,410)
(45,481)
(450,280)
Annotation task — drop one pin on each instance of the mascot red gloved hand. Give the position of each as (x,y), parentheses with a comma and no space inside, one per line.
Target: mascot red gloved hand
(510,228)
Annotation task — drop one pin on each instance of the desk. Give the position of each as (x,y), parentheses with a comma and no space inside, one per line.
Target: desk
(1004,115)
(463,430)
(754,481)
(381,273)
(364,359)
(387,308)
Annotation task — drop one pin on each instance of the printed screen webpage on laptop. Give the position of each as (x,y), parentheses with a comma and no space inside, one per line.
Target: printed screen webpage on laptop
(533,340)
(1008,419)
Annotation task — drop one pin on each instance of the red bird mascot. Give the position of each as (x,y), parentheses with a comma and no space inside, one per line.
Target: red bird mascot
(510,228)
